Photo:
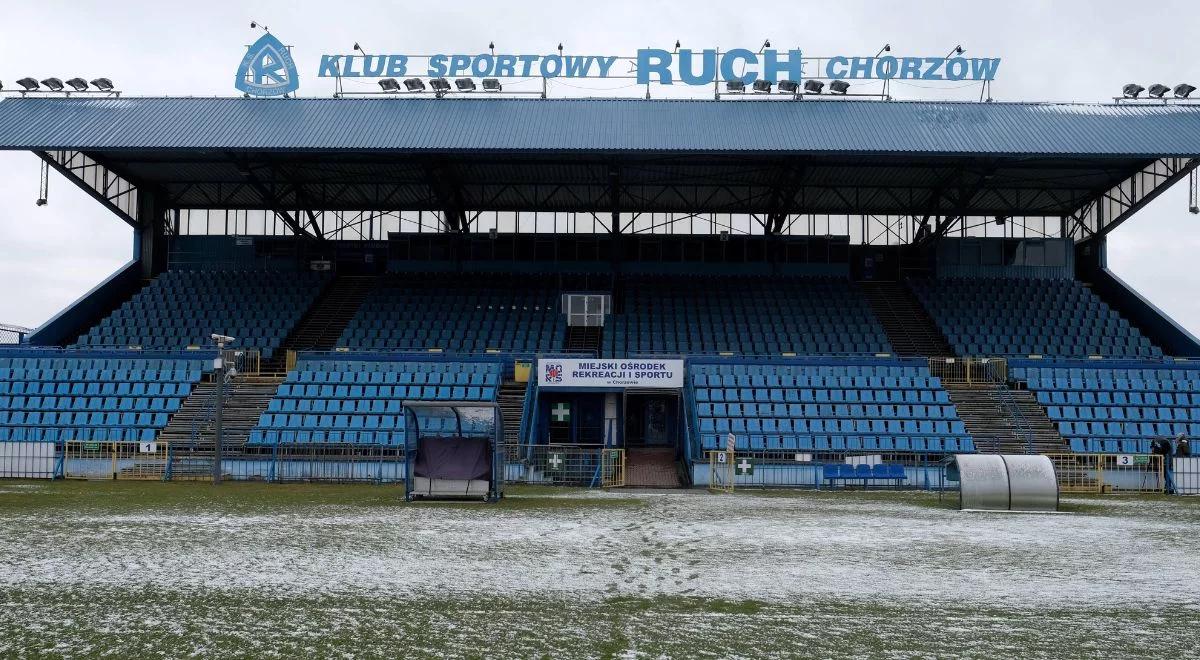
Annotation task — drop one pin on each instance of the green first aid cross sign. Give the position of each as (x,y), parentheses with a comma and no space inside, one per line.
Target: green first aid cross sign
(560,413)
(743,467)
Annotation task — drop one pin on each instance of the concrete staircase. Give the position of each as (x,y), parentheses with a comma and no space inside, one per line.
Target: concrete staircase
(651,467)
(1004,421)
(511,400)
(246,398)
(910,330)
(584,339)
(324,322)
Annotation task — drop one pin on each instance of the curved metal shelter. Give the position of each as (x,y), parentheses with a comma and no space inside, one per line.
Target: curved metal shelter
(998,482)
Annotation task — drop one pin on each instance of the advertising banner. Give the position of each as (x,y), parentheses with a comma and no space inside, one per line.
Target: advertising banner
(590,372)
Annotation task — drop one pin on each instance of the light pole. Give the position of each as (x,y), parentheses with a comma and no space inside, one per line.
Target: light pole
(219,374)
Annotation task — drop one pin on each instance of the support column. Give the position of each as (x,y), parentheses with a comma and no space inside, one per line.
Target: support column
(150,239)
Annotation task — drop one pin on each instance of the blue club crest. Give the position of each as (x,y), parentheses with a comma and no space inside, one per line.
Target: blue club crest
(267,69)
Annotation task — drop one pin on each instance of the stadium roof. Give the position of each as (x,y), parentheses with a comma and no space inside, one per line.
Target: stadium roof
(597,126)
(843,156)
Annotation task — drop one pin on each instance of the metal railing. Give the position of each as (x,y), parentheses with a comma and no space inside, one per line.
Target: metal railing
(115,460)
(562,465)
(247,361)
(612,468)
(1021,427)
(969,371)
(1109,473)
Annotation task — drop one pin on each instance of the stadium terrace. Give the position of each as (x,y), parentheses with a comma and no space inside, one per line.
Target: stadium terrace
(841,293)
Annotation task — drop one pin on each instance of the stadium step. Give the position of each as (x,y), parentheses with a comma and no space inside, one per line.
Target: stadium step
(1005,421)
(910,330)
(651,467)
(325,321)
(512,410)
(245,401)
(584,339)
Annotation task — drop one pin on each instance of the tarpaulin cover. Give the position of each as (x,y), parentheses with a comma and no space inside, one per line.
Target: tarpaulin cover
(453,458)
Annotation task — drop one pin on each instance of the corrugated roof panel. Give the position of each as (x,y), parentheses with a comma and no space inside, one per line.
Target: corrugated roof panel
(505,124)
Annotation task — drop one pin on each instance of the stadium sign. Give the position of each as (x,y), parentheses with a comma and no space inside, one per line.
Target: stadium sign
(267,69)
(590,373)
(659,66)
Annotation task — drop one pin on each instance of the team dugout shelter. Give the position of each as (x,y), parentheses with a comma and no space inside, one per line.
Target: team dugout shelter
(809,280)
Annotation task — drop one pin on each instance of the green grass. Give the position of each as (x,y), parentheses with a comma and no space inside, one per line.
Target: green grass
(82,575)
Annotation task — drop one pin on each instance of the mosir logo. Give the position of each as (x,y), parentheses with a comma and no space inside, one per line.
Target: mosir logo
(267,69)
(554,373)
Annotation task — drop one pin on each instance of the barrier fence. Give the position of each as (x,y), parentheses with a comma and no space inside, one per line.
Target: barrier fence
(114,460)
(1109,473)
(565,465)
(969,371)
(296,464)
(28,460)
(1186,474)
(757,470)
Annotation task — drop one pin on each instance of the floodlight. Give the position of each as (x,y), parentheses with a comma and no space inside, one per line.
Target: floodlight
(1132,90)
(789,86)
(813,86)
(465,84)
(1184,90)
(491,85)
(839,87)
(78,84)
(53,84)
(439,84)
(103,84)
(414,84)
(762,86)
(735,86)
(29,84)
(389,85)
(1158,90)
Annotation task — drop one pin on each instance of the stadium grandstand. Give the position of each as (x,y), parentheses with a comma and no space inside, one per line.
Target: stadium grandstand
(813,282)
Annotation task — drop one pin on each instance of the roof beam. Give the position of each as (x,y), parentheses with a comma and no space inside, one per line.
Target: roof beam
(1108,209)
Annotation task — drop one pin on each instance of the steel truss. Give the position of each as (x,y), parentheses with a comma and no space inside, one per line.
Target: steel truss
(1106,212)
(377,225)
(115,192)
(885,204)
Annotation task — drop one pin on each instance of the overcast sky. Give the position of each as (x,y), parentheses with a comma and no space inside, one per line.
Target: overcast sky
(1052,51)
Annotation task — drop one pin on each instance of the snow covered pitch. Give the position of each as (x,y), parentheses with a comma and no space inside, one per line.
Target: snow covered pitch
(152,569)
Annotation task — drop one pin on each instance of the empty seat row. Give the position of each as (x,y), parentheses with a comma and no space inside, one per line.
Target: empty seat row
(310,408)
(997,316)
(1125,406)
(876,426)
(809,395)
(393,378)
(846,382)
(814,410)
(76,434)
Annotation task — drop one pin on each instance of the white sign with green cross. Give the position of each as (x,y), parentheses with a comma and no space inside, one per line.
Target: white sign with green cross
(561,413)
(743,468)
(555,462)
